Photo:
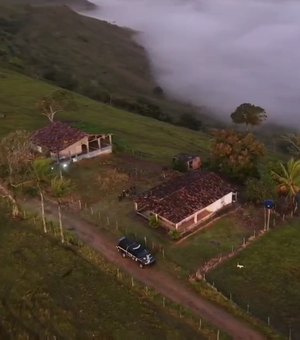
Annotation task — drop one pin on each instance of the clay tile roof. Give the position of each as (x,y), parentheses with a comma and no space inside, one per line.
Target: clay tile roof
(179,198)
(57,136)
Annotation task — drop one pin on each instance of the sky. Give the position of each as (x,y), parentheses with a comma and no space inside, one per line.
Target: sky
(220,53)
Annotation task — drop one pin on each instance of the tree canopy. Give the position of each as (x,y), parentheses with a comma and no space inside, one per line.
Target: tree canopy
(249,114)
(236,154)
(57,101)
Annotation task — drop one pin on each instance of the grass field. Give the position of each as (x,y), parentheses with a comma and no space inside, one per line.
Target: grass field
(48,291)
(270,281)
(160,141)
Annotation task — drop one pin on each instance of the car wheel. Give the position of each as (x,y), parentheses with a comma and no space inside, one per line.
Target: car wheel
(141,265)
(124,255)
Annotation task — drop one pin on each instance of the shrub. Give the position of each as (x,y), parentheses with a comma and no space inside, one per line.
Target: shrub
(174,234)
(153,222)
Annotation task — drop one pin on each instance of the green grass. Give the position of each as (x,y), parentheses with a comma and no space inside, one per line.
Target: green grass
(270,281)
(19,94)
(48,290)
(97,59)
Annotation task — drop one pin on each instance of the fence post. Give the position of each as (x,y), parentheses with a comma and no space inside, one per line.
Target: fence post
(79,204)
(145,240)
(107,220)
(164,301)
(132,282)
(269,321)
(218,334)
(200,324)
(248,308)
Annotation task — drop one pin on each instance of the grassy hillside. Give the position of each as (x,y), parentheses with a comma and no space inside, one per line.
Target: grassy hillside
(270,280)
(48,291)
(18,95)
(92,57)
(82,4)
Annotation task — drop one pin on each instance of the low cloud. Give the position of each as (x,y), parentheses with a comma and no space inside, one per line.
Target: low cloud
(220,53)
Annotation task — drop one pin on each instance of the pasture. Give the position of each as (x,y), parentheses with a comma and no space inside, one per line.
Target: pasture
(269,283)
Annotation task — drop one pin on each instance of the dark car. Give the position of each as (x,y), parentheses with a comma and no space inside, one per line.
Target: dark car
(135,251)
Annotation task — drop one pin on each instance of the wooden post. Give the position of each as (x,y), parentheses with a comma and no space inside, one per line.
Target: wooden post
(79,204)
(200,324)
(218,334)
(132,282)
(164,301)
(269,321)
(92,211)
(265,219)
(107,220)
(268,222)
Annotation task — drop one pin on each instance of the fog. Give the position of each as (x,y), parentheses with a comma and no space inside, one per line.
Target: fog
(219,53)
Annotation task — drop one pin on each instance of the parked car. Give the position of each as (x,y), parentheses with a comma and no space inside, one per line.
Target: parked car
(135,251)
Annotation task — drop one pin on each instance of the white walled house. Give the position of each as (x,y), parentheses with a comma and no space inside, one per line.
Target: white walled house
(186,201)
(61,142)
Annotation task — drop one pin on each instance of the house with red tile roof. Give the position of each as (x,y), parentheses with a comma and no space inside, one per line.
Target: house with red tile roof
(63,142)
(186,201)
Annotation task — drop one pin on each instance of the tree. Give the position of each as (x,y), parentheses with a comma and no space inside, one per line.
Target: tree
(190,121)
(249,114)
(293,143)
(15,156)
(288,179)
(56,102)
(60,188)
(15,153)
(235,154)
(41,169)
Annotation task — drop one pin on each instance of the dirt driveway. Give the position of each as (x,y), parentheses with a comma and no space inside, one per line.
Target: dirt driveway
(152,277)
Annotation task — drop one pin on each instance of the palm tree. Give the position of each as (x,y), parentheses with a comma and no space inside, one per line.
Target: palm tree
(288,179)
(60,188)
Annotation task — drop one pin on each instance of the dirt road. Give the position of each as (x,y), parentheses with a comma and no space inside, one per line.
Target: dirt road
(152,277)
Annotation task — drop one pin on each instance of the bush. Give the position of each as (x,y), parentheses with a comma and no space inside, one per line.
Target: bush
(179,166)
(175,235)
(153,222)
(190,121)
(258,190)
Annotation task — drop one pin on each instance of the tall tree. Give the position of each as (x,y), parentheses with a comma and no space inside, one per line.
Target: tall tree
(60,188)
(249,114)
(236,154)
(57,101)
(288,179)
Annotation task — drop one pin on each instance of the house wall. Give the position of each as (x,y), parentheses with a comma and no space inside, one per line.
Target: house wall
(222,202)
(73,149)
(194,219)
(196,163)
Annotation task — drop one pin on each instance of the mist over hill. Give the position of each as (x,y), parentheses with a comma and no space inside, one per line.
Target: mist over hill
(220,53)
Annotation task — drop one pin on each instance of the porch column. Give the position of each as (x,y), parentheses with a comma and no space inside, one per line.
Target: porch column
(99,143)
(156,217)
(110,139)
(195,218)
(135,206)
(176,226)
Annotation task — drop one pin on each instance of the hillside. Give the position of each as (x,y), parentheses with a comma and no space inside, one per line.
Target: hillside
(92,57)
(158,140)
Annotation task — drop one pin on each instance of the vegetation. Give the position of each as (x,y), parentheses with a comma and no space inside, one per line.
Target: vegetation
(131,133)
(153,222)
(236,154)
(292,141)
(269,281)
(249,114)
(98,60)
(288,180)
(48,290)
(56,102)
